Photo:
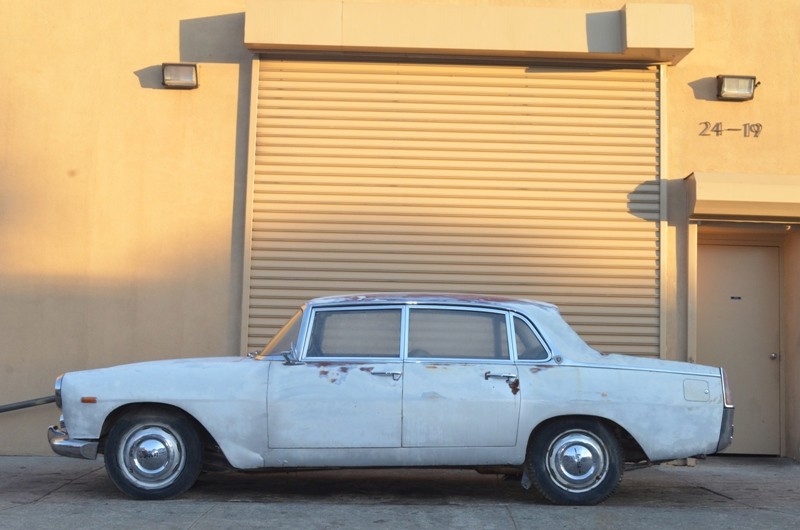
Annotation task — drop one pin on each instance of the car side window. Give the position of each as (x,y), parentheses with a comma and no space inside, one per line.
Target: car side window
(529,347)
(457,334)
(355,333)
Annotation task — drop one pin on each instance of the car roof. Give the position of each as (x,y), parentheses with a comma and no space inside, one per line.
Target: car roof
(411,298)
(547,318)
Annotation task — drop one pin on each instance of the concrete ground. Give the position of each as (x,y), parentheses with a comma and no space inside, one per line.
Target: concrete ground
(720,492)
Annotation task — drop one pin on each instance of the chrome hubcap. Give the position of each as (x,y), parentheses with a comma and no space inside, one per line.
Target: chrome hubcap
(577,461)
(152,456)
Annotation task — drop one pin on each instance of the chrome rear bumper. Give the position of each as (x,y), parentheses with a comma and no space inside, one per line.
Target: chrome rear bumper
(726,431)
(61,444)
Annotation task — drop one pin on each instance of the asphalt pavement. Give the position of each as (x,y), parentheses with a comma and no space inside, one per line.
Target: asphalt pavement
(719,492)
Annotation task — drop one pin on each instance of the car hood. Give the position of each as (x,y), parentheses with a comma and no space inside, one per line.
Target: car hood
(173,380)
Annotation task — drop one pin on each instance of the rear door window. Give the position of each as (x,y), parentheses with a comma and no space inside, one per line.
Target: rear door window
(457,334)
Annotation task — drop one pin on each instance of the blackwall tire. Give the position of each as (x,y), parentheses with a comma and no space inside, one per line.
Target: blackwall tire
(575,462)
(153,456)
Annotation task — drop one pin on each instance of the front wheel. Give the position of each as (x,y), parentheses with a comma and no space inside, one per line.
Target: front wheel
(575,461)
(153,456)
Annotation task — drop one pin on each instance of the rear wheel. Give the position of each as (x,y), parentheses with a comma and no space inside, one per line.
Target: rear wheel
(153,456)
(575,461)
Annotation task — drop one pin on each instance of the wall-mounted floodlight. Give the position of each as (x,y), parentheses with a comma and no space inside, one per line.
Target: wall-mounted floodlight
(179,75)
(736,87)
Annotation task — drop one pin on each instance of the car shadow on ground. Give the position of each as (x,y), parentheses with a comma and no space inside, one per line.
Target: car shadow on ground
(388,486)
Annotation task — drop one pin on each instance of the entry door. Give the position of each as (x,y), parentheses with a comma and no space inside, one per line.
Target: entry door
(738,328)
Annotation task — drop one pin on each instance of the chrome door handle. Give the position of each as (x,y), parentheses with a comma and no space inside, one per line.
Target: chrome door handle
(773,356)
(394,375)
(507,377)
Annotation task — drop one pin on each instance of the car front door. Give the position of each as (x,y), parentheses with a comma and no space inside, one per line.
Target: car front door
(461,388)
(347,392)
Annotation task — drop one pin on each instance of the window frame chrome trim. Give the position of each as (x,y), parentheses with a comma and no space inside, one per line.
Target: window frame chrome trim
(308,326)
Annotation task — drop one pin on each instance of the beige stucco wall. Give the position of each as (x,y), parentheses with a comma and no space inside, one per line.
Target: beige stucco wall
(120,202)
(736,37)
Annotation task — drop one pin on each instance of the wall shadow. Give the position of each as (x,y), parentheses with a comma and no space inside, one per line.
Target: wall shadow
(220,39)
(604,32)
(643,201)
(705,88)
(150,77)
(216,39)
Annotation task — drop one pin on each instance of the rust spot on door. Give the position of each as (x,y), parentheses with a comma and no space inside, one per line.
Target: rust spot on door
(514,386)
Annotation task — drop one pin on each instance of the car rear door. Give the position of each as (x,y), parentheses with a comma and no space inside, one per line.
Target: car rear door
(461,388)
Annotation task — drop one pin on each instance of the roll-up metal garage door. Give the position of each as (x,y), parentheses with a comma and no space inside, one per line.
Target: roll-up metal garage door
(538,182)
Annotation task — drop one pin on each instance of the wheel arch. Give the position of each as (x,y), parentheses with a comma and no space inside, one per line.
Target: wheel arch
(631,449)
(209,443)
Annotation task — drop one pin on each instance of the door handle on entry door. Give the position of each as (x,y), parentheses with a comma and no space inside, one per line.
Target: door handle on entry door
(773,356)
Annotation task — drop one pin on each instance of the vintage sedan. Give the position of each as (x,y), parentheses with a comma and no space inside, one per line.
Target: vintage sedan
(400,380)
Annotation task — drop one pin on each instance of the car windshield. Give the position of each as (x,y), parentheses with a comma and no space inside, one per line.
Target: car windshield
(285,339)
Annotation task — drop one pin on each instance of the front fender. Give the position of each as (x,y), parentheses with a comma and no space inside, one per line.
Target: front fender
(226,396)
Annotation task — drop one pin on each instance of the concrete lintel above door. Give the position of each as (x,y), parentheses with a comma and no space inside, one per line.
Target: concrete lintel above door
(744,197)
(640,32)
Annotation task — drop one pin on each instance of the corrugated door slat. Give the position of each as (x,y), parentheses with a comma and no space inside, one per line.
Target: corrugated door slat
(532,182)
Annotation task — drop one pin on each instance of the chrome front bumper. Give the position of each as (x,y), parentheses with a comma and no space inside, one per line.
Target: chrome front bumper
(61,444)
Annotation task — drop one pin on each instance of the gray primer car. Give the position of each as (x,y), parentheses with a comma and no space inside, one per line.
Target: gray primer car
(387,380)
